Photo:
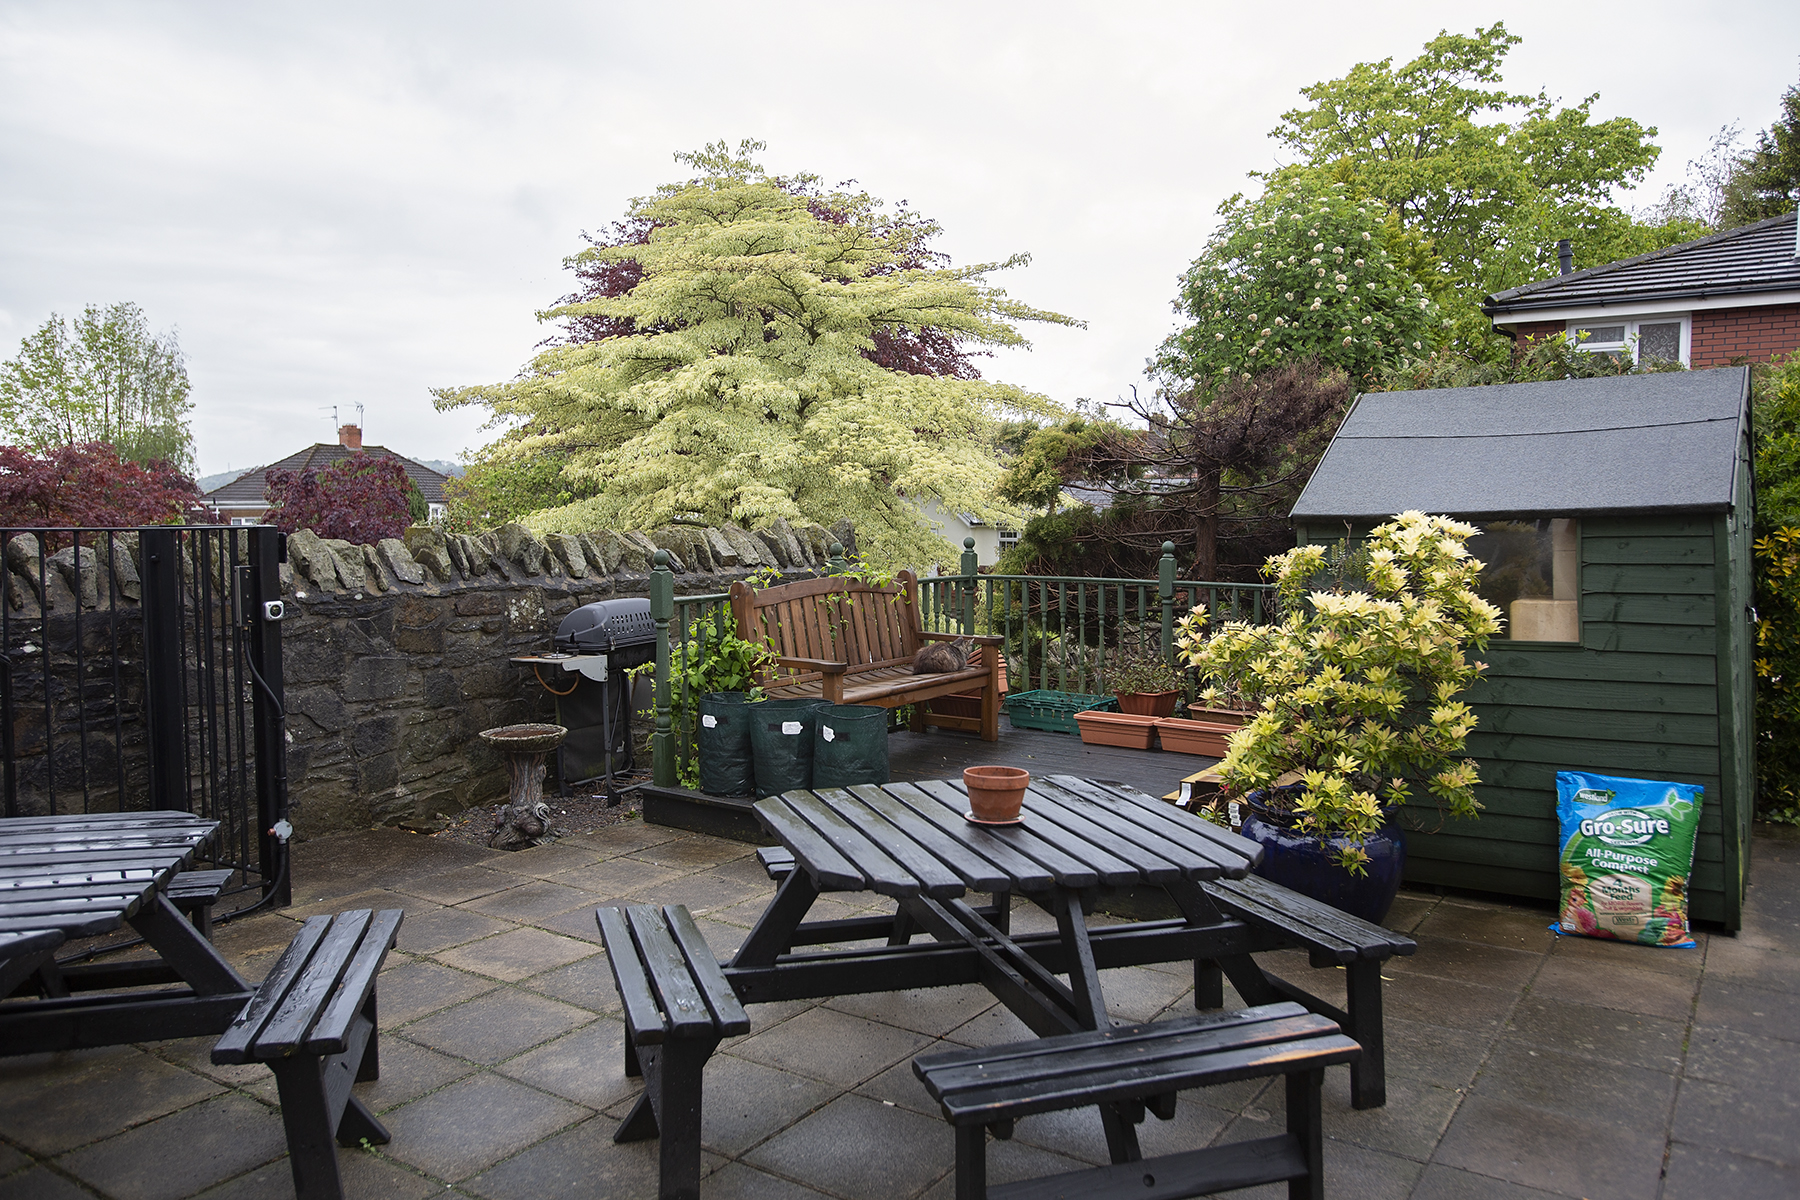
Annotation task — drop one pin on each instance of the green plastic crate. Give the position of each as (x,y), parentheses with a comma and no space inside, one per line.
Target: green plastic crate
(1054,711)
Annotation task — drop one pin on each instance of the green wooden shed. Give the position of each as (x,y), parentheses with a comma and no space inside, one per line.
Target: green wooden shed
(1617,520)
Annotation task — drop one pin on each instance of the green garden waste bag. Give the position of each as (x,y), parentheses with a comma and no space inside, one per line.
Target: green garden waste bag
(851,746)
(723,743)
(1627,850)
(781,741)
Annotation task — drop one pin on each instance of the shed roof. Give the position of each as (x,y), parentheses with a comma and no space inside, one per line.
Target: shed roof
(1663,441)
(246,491)
(1743,261)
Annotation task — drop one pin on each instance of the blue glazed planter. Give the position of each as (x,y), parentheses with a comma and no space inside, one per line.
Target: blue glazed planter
(1305,863)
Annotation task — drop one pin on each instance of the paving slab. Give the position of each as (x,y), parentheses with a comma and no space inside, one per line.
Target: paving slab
(1520,1065)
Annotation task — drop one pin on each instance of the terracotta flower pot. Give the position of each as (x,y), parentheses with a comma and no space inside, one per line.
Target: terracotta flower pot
(1148,704)
(1116,729)
(1194,737)
(1237,718)
(996,793)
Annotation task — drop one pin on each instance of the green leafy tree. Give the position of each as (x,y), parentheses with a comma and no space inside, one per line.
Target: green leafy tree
(744,392)
(1490,178)
(1767,183)
(1775,393)
(104,377)
(1305,271)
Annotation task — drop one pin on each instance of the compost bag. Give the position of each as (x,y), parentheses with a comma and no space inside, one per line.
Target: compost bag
(1627,852)
(723,742)
(851,746)
(781,740)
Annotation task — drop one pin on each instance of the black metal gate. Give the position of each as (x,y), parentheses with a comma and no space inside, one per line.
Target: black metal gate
(141,669)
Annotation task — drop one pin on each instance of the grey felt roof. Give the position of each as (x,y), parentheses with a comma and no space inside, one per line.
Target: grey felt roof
(1750,259)
(1631,442)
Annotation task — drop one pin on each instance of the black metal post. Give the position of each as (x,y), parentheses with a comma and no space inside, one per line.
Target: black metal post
(262,618)
(164,712)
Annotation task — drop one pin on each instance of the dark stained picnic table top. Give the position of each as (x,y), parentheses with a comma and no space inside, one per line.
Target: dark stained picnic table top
(87,874)
(912,839)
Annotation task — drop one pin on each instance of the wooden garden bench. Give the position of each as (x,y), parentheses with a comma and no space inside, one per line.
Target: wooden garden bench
(1331,938)
(1139,1068)
(312,1021)
(849,642)
(678,1007)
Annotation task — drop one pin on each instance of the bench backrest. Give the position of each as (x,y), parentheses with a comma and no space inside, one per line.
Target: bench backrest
(833,619)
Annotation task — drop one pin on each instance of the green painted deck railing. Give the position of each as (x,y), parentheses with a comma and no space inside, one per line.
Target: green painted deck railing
(1058,631)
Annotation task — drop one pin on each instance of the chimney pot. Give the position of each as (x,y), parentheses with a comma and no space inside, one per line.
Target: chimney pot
(350,437)
(1565,256)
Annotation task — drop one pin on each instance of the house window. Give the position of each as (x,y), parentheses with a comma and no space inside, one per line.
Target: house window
(1008,539)
(1531,574)
(246,520)
(1646,339)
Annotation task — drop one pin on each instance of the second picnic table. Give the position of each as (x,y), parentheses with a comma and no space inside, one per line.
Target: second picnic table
(1077,839)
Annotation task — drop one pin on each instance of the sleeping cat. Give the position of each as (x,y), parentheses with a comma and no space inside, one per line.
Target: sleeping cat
(941,658)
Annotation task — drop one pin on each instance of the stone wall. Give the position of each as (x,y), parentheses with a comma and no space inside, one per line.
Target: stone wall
(396,654)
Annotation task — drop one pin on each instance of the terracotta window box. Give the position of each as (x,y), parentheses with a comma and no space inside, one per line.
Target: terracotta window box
(1116,729)
(1237,718)
(1194,737)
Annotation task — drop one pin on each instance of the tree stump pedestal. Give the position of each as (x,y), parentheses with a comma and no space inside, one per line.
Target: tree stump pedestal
(525,821)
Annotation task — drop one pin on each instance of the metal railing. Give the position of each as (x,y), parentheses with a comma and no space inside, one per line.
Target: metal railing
(1058,632)
(139,670)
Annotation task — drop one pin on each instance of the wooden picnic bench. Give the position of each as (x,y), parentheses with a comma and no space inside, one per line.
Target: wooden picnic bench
(678,1007)
(850,642)
(1134,1068)
(313,1022)
(1331,938)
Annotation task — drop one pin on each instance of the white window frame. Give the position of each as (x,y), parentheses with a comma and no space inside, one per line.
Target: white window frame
(1630,342)
(1006,538)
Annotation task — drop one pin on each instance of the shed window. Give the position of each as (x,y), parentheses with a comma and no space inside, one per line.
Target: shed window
(1530,574)
(1647,339)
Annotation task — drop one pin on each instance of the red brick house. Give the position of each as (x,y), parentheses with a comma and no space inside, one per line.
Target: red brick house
(1732,297)
(241,501)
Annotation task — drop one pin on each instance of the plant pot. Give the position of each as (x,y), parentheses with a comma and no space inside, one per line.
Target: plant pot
(1305,863)
(1148,704)
(1116,729)
(1237,718)
(1194,737)
(996,793)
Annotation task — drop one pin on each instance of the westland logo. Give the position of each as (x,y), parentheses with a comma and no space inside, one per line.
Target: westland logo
(1624,827)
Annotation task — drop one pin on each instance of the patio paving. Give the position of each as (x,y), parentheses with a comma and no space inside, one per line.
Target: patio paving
(1520,1065)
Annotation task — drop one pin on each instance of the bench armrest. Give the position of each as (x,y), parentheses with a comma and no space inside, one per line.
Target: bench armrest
(814,664)
(980,639)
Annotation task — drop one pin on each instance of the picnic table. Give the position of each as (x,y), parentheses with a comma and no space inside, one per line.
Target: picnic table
(69,877)
(912,842)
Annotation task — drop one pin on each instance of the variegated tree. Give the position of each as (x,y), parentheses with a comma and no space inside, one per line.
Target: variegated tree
(746,389)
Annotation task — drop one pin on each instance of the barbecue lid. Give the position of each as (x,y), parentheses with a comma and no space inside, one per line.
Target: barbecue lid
(606,625)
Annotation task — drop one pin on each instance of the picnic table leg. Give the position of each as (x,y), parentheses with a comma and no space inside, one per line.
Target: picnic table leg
(1305,1122)
(312,1142)
(680,1065)
(1368,1074)
(971,1162)
(1209,984)
(1090,1007)
(774,931)
(903,927)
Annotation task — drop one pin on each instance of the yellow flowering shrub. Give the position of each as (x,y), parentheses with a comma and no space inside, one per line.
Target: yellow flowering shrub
(1358,684)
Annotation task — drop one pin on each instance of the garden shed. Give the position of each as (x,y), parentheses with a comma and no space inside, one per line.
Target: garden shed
(1616,519)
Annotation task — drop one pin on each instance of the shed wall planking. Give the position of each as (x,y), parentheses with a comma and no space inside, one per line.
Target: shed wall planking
(1641,695)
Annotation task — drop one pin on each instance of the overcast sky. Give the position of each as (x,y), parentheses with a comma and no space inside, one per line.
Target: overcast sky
(348,204)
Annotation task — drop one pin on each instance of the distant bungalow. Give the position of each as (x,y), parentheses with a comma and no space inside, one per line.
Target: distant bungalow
(242,502)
